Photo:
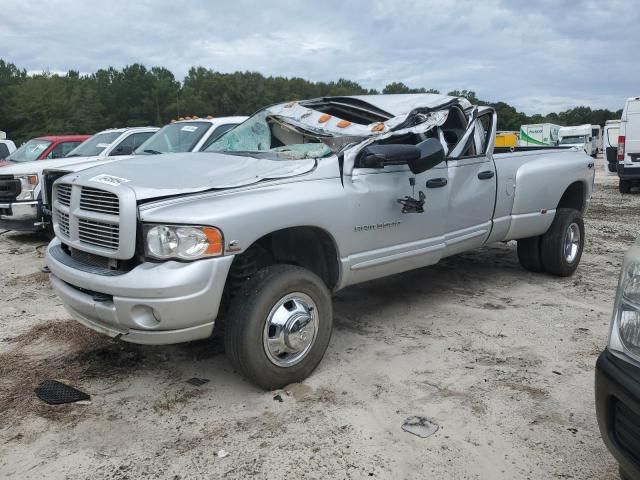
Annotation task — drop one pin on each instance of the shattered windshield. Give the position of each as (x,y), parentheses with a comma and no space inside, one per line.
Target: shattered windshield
(275,135)
(573,139)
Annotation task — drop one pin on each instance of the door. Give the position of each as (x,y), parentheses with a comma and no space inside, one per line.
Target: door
(383,240)
(472,179)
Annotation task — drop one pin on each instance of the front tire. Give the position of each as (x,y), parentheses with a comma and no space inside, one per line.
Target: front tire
(529,254)
(279,326)
(562,245)
(624,186)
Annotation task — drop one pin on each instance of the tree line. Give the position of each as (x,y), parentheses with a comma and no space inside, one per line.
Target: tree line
(43,103)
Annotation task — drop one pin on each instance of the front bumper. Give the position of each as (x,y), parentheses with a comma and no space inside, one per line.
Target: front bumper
(628,173)
(154,303)
(618,410)
(21,216)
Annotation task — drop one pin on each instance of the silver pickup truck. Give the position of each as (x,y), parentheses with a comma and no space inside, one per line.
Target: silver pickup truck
(303,199)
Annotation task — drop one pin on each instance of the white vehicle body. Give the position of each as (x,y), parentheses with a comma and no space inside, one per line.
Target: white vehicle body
(199,133)
(539,135)
(113,142)
(23,204)
(629,145)
(581,136)
(610,146)
(7,147)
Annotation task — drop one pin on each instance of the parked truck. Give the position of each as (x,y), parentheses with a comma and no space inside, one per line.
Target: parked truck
(506,139)
(585,136)
(303,199)
(539,135)
(44,148)
(23,201)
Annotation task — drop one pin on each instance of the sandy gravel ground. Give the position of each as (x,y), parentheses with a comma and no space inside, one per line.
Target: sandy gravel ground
(501,359)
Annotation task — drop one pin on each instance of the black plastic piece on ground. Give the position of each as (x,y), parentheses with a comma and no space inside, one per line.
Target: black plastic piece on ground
(56,393)
(45,269)
(197,382)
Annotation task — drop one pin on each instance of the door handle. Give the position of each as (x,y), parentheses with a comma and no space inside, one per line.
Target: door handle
(436,182)
(487,174)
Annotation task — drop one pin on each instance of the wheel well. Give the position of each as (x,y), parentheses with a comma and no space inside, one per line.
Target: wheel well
(308,247)
(573,197)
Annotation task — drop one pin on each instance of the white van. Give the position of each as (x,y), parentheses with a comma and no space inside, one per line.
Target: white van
(610,146)
(581,136)
(629,145)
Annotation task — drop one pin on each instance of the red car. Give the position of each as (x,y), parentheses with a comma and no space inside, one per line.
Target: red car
(41,148)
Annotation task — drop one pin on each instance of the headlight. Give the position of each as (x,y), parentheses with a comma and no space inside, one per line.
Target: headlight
(28,184)
(624,336)
(164,242)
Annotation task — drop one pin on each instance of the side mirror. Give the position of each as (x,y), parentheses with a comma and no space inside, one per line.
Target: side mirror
(123,150)
(419,158)
(431,154)
(377,156)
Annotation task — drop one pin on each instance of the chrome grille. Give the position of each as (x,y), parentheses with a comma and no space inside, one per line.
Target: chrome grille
(63,222)
(100,234)
(64,194)
(98,221)
(100,201)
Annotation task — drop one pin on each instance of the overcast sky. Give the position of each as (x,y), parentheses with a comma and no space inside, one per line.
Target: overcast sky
(538,56)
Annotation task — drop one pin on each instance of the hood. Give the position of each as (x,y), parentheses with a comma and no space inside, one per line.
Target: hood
(37,166)
(155,176)
(87,164)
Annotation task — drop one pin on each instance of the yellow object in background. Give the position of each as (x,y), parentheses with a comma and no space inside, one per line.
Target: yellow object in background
(506,139)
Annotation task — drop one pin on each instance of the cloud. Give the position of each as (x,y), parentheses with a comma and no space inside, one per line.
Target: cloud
(538,56)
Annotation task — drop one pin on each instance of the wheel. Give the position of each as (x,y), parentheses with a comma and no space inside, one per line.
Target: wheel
(561,246)
(529,254)
(624,186)
(613,168)
(279,326)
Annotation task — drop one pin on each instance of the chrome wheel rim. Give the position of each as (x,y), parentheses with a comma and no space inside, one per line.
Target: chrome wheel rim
(290,329)
(572,243)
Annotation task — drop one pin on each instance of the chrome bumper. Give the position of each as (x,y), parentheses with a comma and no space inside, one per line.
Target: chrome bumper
(23,216)
(155,303)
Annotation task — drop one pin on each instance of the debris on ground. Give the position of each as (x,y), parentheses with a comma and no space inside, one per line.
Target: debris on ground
(222,453)
(57,393)
(197,382)
(420,426)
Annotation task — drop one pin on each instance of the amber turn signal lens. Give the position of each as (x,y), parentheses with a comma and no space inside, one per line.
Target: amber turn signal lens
(378,127)
(32,179)
(214,236)
(324,118)
(343,123)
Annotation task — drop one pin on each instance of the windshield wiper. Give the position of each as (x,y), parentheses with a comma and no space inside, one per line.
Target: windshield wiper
(152,152)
